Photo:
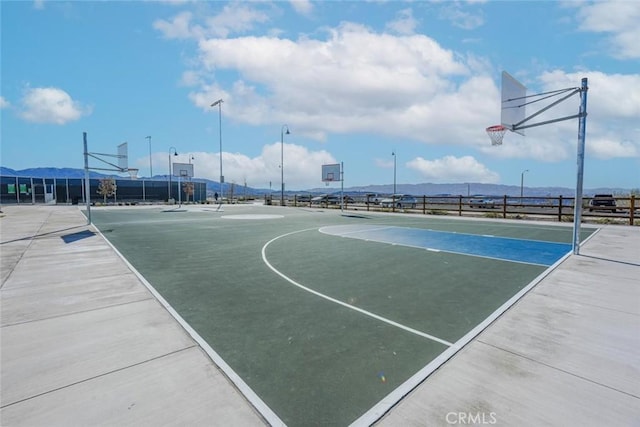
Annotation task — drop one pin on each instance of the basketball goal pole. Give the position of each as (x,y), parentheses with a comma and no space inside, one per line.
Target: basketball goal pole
(582,129)
(342,186)
(582,125)
(122,166)
(87,181)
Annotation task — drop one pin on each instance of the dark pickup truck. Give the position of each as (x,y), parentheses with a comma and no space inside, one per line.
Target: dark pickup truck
(603,202)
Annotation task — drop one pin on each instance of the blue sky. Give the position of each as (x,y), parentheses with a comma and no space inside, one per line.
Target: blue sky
(353,81)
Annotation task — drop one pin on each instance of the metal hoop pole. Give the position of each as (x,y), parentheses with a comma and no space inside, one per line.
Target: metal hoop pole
(582,129)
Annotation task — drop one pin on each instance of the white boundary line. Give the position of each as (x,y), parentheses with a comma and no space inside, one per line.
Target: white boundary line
(344,304)
(262,408)
(441,232)
(347,235)
(386,404)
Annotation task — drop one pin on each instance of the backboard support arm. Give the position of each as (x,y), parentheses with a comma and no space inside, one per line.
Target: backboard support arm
(521,124)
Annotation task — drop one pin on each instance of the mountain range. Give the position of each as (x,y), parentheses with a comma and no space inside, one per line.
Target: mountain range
(465,189)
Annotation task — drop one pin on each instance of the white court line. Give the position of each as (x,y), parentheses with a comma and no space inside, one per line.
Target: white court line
(344,304)
(443,250)
(388,402)
(359,230)
(260,406)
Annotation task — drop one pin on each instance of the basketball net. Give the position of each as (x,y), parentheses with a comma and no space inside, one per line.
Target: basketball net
(133,173)
(496,133)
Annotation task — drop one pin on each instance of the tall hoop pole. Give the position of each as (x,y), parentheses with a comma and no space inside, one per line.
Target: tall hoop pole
(219,104)
(582,127)
(175,153)
(150,161)
(282,134)
(393,153)
(87,181)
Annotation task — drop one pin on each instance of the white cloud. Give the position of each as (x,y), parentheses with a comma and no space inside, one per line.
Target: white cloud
(354,80)
(51,105)
(38,4)
(404,23)
(617,18)
(603,148)
(259,171)
(303,7)
(454,13)
(453,169)
(235,17)
(4,103)
(179,27)
(613,106)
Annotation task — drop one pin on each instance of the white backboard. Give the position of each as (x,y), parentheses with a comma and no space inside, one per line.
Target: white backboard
(184,170)
(331,173)
(123,156)
(513,108)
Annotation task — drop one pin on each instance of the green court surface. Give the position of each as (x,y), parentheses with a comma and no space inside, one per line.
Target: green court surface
(323,327)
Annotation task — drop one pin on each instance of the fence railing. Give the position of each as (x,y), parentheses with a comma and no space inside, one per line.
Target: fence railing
(624,209)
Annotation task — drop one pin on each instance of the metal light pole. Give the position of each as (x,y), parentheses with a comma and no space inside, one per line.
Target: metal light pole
(393,153)
(193,196)
(282,163)
(219,104)
(150,163)
(175,154)
(522,184)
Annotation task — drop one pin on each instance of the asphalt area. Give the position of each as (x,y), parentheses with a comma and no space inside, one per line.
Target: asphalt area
(329,316)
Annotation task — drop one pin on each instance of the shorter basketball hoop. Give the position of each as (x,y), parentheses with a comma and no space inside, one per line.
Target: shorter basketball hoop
(496,133)
(133,173)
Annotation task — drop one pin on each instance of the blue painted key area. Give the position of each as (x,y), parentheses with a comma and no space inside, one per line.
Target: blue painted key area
(508,249)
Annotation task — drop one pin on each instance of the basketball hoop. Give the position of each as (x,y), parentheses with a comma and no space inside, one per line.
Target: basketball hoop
(496,133)
(133,173)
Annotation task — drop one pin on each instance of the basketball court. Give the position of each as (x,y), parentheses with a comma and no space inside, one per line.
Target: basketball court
(321,317)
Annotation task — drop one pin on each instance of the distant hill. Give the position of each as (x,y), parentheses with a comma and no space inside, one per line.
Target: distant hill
(471,189)
(465,189)
(50,173)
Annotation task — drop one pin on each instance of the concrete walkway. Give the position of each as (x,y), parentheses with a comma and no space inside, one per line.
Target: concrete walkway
(566,354)
(84,342)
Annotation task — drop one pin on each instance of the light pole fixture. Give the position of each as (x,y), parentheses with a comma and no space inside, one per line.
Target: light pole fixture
(282,133)
(393,153)
(150,163)
(175,153)
(219,104)
(522,184)
(191,157)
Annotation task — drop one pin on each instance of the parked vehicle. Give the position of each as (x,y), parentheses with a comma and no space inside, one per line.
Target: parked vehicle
(321,199)
(374,198)
(303,198)
(334,199)
(399,201)
(330,199)
(482,203)
(603,202)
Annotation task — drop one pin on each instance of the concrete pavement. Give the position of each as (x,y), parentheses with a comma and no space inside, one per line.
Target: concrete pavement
(566,354)
(84,342)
